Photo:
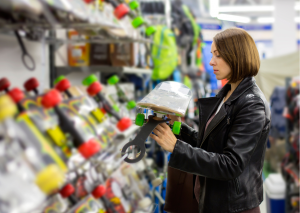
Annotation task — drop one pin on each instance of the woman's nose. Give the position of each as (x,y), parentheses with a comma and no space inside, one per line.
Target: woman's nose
(212,62)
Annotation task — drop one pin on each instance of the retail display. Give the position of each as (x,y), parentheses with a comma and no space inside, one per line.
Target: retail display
(63,143)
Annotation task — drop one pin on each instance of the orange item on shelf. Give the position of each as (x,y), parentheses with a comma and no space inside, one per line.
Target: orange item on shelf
(224,81)
(78,53)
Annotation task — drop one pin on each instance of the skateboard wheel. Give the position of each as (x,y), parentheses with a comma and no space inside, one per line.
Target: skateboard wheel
(134,5)
(131,105)
(156,182)
(121,11)
(99,191)
(50,179)
(140,119)
(124,124)
(94,88)
(4,84)
(7,107)
(176,127)
(145,202)
(89,148)
(51,99)
(116,108)
(89,80)
(67,190)
(150,30)
(113,80)
(58,79)
(31,84)
(137,22)
(16,94)
(63,85)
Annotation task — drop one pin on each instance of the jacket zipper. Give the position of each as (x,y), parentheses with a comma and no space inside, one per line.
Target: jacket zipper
(237,186)
(211,131)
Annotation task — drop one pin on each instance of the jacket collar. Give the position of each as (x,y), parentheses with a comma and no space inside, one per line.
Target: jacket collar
(245,84)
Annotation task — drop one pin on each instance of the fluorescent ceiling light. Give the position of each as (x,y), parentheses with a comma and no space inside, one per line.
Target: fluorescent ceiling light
(265,20)
(214,8)
(241,19)
(271,20)
(263,8)
(245,9)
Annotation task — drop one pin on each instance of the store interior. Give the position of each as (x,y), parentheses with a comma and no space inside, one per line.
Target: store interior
(74,80)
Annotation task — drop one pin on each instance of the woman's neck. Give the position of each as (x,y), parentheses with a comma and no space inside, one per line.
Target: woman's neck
(234,85)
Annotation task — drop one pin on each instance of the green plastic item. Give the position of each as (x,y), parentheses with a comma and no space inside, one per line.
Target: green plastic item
(164,53)
(176,127)
(150,30)
(89,80)
(137,22)
(116,108)
(58,79)
(134,5)
(113,80)
(131,105)
(195,26)
(140,119)
(187,82)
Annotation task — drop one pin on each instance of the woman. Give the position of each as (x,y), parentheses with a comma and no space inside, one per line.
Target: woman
(226,154)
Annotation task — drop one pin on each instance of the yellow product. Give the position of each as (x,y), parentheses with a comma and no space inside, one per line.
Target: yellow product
(78,52)
(7,107)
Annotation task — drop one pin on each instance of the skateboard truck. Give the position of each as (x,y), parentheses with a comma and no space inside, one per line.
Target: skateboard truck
(139,141)
(94,90)
(114,80)
(86,148)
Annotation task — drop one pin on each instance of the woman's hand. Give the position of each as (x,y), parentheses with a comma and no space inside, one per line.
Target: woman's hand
(164,137)
(174,118)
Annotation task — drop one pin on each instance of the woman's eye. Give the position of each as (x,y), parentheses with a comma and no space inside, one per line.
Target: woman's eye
(218,56)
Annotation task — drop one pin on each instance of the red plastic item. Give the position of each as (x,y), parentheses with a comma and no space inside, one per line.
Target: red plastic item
(63,85)
(89,148)
(103,110)
(121,11)
(94,88)
(67,191)
(124,124)
(16,94)
(51,99)
(4,84)
(31,84)
(99,191)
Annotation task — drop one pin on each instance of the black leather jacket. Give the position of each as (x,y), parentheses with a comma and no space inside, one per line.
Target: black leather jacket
(229,157)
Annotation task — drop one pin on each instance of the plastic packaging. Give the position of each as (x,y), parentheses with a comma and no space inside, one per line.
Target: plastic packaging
(168,96)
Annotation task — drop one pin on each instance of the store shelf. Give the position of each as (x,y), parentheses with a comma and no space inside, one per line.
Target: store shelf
(103,69)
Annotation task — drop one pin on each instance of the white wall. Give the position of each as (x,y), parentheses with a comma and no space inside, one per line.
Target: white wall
(11,65)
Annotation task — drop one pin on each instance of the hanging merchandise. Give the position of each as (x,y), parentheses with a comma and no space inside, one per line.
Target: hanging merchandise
(164,53)
(78,54)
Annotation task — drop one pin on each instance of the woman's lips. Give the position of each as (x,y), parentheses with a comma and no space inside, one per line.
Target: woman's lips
(215,71)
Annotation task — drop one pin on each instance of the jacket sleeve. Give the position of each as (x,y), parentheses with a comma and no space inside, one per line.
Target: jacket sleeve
(188,135)
(241,142)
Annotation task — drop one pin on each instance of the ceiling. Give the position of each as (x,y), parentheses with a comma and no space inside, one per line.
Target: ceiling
(201,7)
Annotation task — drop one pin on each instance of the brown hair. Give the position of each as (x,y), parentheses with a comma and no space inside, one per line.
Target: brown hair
(239,51)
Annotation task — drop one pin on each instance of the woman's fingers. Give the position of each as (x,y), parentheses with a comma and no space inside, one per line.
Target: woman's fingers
(157,132)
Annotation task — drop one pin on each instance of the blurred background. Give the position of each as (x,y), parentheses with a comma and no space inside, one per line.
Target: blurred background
(118,51)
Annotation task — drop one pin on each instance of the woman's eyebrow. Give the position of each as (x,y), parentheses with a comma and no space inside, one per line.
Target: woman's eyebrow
(214,51)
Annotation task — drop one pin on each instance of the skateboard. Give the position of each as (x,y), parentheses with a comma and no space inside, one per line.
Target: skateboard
(30,145)
(94,90)
(87,108)
(166,98)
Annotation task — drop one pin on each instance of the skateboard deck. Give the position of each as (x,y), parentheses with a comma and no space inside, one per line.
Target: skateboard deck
(168,97)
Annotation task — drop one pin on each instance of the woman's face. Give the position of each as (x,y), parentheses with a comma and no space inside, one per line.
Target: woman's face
(220,67)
